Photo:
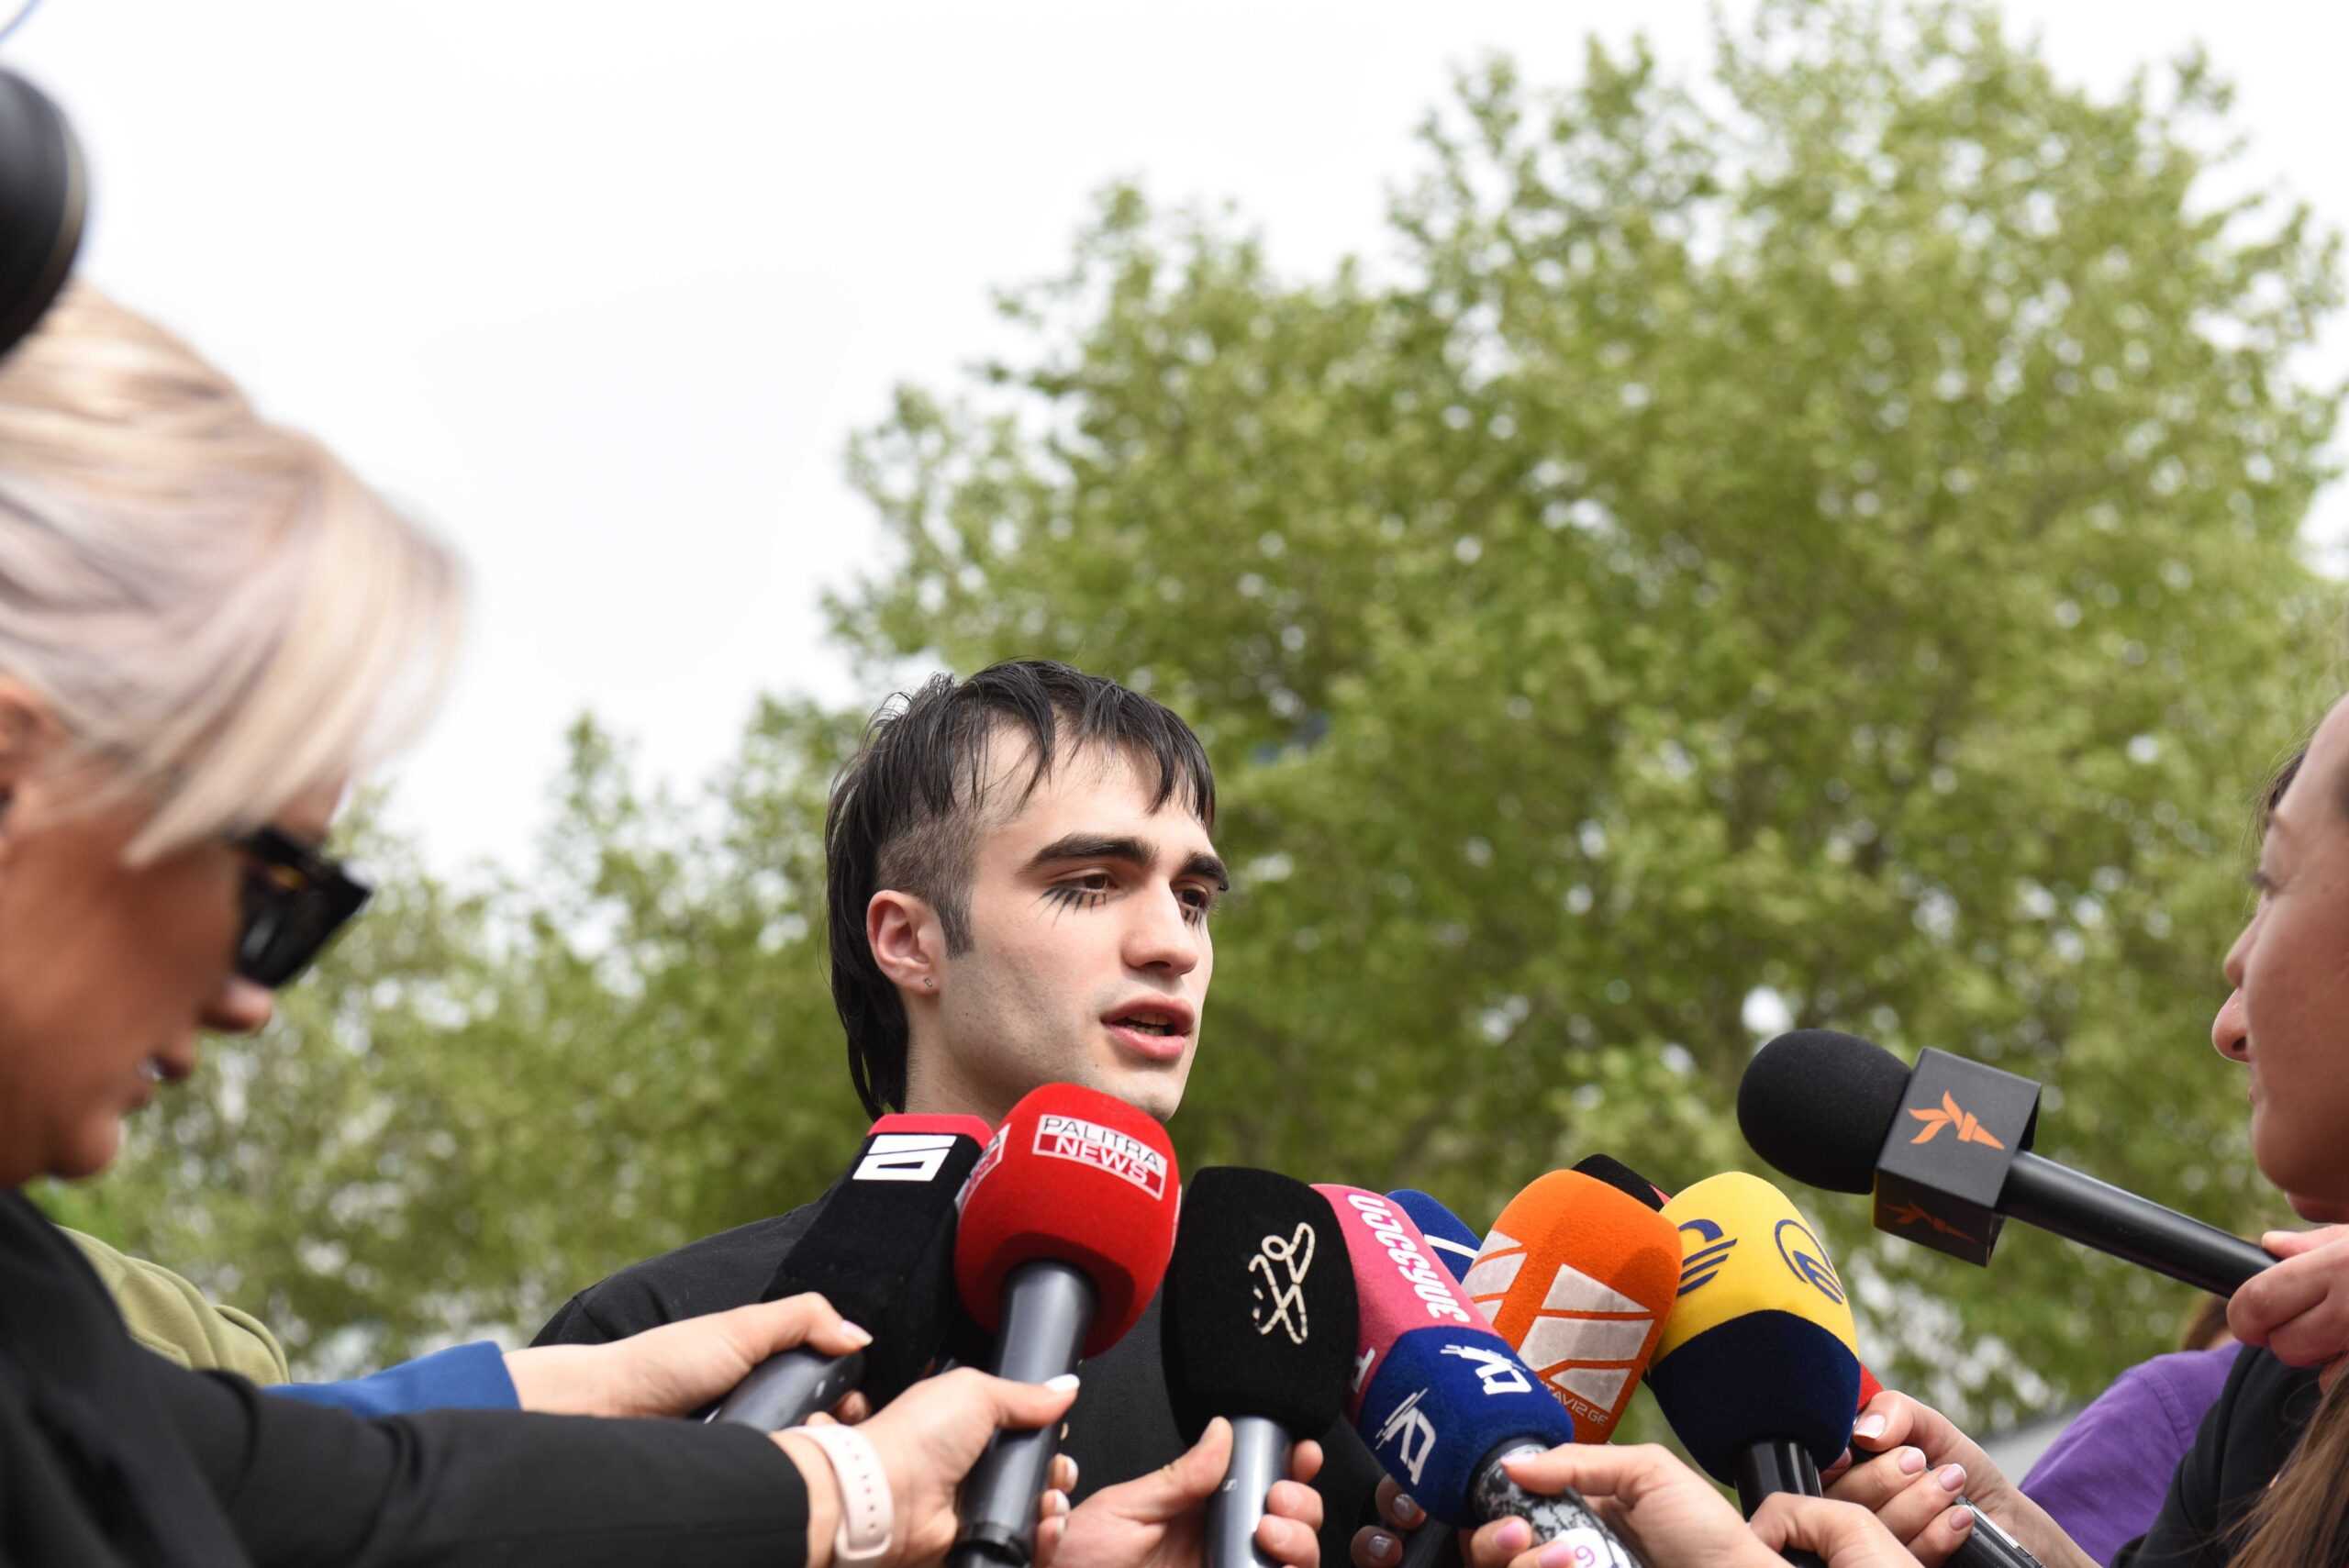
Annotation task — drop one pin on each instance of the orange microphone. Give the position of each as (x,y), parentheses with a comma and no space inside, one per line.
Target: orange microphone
(1578,1276)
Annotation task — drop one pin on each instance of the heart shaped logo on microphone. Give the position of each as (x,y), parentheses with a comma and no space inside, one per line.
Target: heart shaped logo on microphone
(1284,1264)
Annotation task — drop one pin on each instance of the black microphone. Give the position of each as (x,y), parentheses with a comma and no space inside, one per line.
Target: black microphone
(882,1251)
(1945,1149)
(1260,1324)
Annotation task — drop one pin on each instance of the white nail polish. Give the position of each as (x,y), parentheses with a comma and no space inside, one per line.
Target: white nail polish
(1066,1380)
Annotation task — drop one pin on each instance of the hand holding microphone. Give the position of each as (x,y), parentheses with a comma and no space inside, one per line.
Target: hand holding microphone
(1675,1518)
(1260,1329)
(883,1493)
(882,1250)
(1441,1400)
(1975,1542)
(1066,1229)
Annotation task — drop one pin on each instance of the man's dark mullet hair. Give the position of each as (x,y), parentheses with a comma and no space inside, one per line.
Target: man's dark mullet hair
(906,812)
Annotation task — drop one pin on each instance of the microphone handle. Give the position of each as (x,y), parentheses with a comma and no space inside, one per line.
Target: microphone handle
(2138,1230)
(784,1390)
(1559,1517)
(1987,1546)
(1765,1469)
(1433,1545)
(1047,1308)
(1260,1451)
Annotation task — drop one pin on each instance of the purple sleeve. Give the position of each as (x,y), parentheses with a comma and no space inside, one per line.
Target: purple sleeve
(2104,1479)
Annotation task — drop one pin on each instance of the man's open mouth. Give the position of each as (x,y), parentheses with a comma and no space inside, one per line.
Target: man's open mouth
(1146,1026)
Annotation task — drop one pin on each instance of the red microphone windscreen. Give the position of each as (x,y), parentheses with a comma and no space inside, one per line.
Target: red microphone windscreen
(1578,1275)
(1080,1177)
(1869,1386)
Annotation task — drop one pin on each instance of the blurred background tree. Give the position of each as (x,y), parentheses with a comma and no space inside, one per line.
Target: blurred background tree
(1817,545)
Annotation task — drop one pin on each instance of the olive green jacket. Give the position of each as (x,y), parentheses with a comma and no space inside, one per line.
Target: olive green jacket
(172,1317)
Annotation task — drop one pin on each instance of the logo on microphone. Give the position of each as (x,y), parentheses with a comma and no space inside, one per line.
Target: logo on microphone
(989,1158)
(1911,1215)
(1276,1257)
(1698,1268)
(1412,1434)
(1103,1148)
(1585,1342)
(1428,1283)
(905,1157)
(1969,1130)
(1810,1267)
(1497,1373)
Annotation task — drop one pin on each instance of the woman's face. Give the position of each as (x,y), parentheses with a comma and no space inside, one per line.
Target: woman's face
(107,971)
(2289,1019)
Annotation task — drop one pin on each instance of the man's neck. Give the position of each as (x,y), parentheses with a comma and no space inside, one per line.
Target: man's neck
(946,1093)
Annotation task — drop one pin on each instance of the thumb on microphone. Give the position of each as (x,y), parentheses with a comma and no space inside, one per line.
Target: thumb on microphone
(1156,1520)
(928,1438)
(1844,1534)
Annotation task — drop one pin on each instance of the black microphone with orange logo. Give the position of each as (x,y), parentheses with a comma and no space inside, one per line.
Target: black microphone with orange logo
(1945,1150)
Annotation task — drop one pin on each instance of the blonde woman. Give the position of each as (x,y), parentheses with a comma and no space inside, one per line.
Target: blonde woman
(207,627)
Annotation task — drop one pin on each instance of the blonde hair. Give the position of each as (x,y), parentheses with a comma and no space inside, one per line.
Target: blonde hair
(218,612)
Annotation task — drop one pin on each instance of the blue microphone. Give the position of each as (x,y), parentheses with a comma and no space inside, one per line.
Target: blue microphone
(1455,1244)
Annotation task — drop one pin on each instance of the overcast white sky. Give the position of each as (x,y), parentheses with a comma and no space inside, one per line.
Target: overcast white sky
(600,289)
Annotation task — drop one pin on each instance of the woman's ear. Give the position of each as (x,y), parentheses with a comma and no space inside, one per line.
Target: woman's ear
(27,733)
(903,932)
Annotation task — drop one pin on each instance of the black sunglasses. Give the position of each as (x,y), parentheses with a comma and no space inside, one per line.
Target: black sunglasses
(296,900)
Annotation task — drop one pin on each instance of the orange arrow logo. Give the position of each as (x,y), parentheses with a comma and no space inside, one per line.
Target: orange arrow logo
(1968,1129)
(1911,1214)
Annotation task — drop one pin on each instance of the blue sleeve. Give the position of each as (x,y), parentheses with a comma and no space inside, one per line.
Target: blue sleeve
(462,1377)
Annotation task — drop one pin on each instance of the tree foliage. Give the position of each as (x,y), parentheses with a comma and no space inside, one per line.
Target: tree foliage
(1814,545)
(1817,548)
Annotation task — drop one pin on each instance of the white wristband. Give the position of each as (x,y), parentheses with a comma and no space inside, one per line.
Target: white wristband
(868,1513)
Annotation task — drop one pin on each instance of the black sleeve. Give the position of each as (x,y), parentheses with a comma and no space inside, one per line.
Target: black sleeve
(574,1324)
(2184,1534)
(730,1269)
(303,1484)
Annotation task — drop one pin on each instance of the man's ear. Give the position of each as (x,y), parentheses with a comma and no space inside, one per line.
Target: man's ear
(906,941)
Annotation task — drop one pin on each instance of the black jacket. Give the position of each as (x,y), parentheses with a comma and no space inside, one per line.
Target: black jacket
(2243,1441)
(110,1455)
(1121,1427)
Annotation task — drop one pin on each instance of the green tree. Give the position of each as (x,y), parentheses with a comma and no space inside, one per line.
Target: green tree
(1816,546)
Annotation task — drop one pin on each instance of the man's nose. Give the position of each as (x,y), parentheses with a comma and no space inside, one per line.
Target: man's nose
(1162,937)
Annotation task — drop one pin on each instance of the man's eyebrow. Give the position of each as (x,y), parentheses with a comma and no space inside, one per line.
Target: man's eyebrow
(1207,868)
(1126,849)
(1095,846)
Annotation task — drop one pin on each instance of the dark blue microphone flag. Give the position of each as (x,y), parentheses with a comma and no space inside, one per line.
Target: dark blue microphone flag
(1441,1401)
(1455,1245)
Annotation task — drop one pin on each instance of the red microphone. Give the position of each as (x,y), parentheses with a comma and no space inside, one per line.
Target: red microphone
(1067,1226)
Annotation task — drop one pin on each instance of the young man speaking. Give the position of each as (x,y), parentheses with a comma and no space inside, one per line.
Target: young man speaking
(1020,879)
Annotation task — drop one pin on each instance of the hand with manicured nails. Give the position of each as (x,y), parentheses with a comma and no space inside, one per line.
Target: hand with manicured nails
(1844,1534)
(1381,1545)
(1674,1517)
(1159,1520)
(2300,1309)
(680,1366)
(1908,1466)
(927,1438)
